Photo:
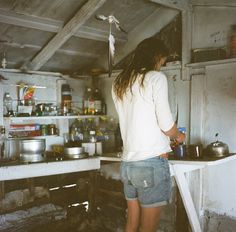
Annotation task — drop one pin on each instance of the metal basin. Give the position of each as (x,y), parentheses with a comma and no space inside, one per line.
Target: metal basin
(32,146)
(75,152)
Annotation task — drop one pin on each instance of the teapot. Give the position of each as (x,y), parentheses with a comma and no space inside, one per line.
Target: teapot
(217,149)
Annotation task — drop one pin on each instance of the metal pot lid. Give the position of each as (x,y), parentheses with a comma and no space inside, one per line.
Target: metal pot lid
(31,140)
(218,144)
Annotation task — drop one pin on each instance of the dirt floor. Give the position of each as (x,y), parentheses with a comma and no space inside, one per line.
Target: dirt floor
(79,220)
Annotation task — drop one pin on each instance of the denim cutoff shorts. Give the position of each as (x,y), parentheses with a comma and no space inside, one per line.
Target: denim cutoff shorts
(147,181)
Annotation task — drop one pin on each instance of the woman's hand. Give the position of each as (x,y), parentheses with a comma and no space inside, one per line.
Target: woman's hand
(180,138)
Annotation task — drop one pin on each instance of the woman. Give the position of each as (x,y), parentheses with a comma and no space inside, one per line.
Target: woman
(140,94)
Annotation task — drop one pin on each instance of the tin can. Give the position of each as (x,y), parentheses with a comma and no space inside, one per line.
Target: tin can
(52,129)
(44,129)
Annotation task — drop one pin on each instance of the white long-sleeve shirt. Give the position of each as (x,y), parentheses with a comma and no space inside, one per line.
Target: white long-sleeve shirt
(143,116)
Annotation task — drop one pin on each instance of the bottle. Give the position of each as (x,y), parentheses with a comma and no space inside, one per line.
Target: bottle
(180,148)
(7,102)
(88,102)
(97,102)
(76,131)
(66,99)
(92,136)
(182,130)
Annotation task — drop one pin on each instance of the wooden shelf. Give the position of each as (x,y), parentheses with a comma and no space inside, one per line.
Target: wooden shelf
(34,137)
(208,63)
(20,119)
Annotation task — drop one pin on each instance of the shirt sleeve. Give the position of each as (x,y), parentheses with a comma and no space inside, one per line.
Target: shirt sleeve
(161,101)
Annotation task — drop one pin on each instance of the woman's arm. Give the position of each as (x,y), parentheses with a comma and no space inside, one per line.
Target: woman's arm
(174,133)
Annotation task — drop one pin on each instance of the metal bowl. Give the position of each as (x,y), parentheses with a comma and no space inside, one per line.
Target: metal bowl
(32,146)
(31,158)
(73,150)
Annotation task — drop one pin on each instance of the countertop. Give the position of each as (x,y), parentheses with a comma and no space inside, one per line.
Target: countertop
(206,160)
(18,170)
(46,168)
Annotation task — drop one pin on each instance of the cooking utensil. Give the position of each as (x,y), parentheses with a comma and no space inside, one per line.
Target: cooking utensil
(195,151)
(75,153)
(31,158)
(180,151)
(73,150)
(32,146)
(177,115)
(217,149)
(77,156)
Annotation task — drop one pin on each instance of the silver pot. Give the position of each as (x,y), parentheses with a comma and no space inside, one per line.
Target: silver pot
(32,146)
(75,152)
(217,149)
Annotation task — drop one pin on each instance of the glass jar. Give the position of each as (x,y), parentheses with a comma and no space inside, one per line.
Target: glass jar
(44,129)
(52,130)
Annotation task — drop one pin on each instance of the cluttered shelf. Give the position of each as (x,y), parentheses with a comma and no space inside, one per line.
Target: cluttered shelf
(19,119)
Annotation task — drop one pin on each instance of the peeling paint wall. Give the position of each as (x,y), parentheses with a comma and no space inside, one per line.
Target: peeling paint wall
(218,222)
(211,28)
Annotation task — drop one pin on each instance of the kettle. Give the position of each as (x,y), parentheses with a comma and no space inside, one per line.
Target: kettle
(217,149)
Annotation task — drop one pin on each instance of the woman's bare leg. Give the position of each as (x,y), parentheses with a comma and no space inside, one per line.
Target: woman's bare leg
(133,217)
(150,218)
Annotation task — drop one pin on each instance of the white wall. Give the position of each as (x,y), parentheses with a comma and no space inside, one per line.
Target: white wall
(217,109)
(220,190)
(211,26)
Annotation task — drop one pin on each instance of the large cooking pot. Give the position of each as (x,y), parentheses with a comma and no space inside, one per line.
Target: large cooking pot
(31,150)
(217,149)
(32,146)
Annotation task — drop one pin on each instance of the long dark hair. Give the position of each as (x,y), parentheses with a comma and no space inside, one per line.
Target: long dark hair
(147,54)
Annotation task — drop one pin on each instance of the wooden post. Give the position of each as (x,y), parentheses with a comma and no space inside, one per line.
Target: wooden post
(92,191)
(30,183)
(2,190)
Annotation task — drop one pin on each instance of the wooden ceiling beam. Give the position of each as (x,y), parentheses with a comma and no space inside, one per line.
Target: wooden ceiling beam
(60,51)
(182,5)
(214,3)
(64,34)
(53,26)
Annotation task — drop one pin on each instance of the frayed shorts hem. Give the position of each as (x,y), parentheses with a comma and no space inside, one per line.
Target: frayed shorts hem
(157,204)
